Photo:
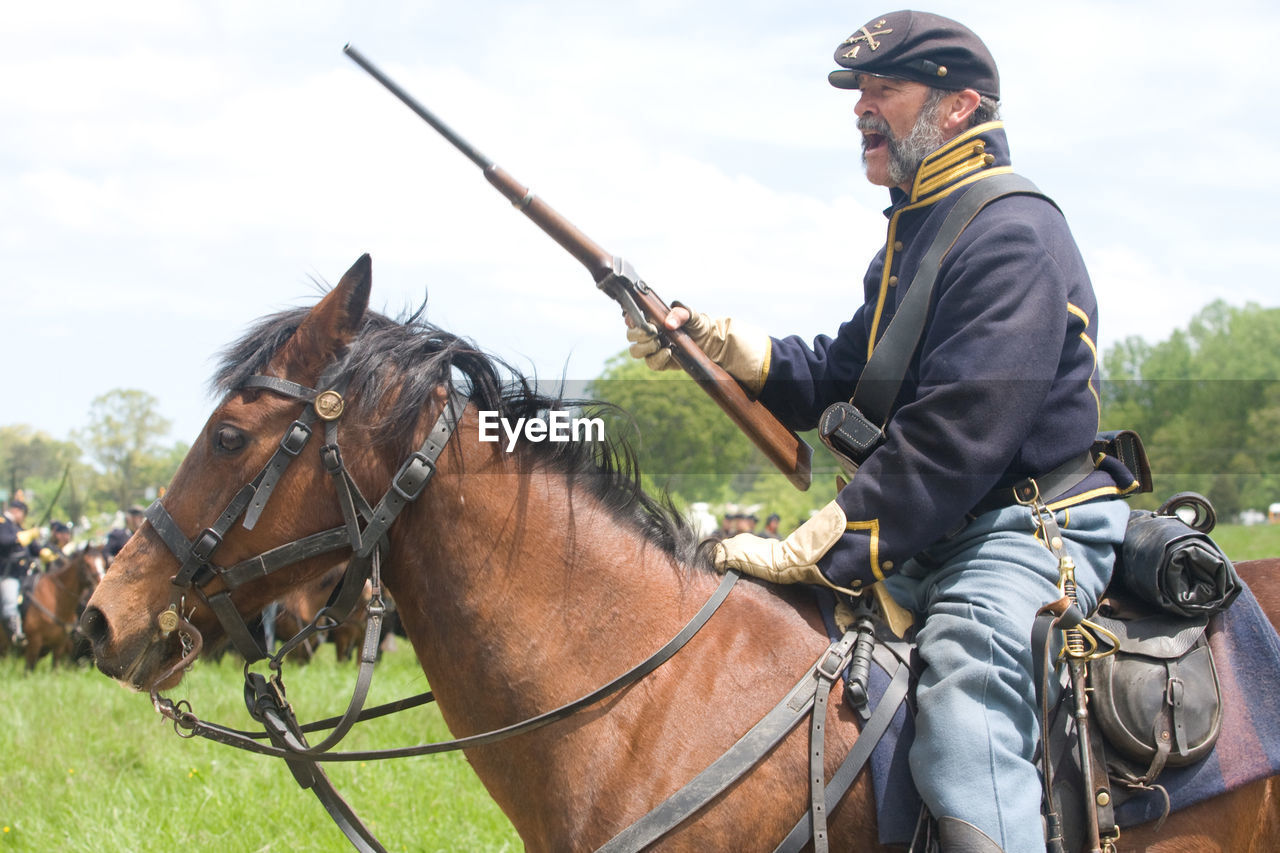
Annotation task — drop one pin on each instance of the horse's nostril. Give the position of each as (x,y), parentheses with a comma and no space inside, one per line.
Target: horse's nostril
(94,624)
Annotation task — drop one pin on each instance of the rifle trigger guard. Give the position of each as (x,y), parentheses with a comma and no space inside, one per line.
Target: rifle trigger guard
(619,284)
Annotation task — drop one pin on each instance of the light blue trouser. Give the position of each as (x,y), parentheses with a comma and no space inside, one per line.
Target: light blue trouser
(976,725)
(10,593)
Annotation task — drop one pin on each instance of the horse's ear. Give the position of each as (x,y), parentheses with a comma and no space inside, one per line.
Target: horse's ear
(329,327)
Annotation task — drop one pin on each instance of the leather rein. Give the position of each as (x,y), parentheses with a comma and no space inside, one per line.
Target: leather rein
(365,534)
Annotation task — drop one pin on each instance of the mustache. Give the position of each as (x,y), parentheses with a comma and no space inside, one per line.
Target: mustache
(877,125)
(874,124)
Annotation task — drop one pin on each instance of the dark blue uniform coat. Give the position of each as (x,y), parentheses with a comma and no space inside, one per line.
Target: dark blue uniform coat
(1002,387)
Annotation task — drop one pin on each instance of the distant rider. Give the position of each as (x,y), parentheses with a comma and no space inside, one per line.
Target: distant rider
(117,538)
(18,552)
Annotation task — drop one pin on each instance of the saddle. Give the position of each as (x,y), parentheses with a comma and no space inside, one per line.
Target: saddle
(1203,680)
(1246,656)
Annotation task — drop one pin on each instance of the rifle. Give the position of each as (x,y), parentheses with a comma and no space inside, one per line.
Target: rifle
(53,502)
(642,306)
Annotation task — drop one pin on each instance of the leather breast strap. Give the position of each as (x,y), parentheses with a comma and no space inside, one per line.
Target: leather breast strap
(753,746)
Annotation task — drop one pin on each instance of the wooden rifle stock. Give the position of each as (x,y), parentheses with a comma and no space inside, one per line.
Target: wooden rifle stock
(616,278)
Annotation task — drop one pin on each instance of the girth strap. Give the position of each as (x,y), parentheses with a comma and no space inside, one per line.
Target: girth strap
(874,729)
(827,672)
(750,749)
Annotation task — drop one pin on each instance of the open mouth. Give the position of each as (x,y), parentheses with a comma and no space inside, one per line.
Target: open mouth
(873,142)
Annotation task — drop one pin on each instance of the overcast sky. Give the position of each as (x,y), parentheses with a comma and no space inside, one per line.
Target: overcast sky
(171,171)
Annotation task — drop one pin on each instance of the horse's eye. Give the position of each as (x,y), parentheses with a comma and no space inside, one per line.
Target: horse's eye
(228,439)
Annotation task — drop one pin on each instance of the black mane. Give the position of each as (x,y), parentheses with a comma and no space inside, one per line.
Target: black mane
(407,358)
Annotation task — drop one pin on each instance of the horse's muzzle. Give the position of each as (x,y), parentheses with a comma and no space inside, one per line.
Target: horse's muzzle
(95,626)
(133,664)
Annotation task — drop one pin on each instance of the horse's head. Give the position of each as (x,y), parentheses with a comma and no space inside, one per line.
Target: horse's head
(91,566)
(252,482)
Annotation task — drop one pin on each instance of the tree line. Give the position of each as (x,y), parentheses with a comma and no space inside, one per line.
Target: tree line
(1206,403)
(117,458)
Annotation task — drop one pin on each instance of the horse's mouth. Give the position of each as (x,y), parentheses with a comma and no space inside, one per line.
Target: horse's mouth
(146,664)
(138,672)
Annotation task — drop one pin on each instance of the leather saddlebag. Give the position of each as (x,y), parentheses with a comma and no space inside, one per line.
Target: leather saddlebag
(1157,699)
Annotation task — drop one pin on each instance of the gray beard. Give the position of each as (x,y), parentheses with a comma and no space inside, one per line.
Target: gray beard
(906,155)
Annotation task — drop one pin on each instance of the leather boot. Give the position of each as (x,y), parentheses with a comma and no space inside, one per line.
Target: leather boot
(958,836)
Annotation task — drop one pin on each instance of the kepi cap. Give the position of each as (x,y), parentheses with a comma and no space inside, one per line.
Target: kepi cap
(919,46)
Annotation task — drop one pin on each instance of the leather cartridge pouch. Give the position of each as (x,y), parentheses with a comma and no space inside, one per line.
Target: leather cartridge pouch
(1157,699)
(849,435)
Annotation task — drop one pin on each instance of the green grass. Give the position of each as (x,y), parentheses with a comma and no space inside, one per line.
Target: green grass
(1248,543)
(88,766)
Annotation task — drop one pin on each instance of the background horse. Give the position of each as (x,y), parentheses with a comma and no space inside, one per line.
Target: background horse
(523,580)
(54,604)
(299,607)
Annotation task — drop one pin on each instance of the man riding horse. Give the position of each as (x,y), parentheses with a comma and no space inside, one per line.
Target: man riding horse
(19,551)
(993,423)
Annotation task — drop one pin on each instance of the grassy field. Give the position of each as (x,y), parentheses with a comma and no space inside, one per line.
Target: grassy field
(1248,543)
(88,766)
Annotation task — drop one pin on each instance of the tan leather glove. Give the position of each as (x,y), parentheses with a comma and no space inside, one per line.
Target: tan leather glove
(741,350)
(792,560)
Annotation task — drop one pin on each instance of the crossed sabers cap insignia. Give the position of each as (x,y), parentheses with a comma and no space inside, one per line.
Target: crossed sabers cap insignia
(865,34)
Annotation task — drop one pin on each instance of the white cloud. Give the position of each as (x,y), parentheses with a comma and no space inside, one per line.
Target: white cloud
(1141,295)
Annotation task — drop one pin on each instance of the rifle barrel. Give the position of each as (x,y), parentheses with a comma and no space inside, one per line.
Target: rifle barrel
(782,446)
(425,114)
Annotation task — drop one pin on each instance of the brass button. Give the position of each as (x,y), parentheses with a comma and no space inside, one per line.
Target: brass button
(988,159)
(898,247)
(893,281)
(886,566)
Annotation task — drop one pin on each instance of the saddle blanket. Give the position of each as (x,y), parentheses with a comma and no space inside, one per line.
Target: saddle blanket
(1246,651)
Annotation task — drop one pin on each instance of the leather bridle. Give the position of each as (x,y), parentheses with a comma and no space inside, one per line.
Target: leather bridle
(364,532)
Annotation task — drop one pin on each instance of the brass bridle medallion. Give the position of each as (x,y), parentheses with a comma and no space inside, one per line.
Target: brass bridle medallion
(329,405)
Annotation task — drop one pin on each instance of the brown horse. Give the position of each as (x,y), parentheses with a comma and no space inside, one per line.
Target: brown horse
(524,580)
(54,604)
